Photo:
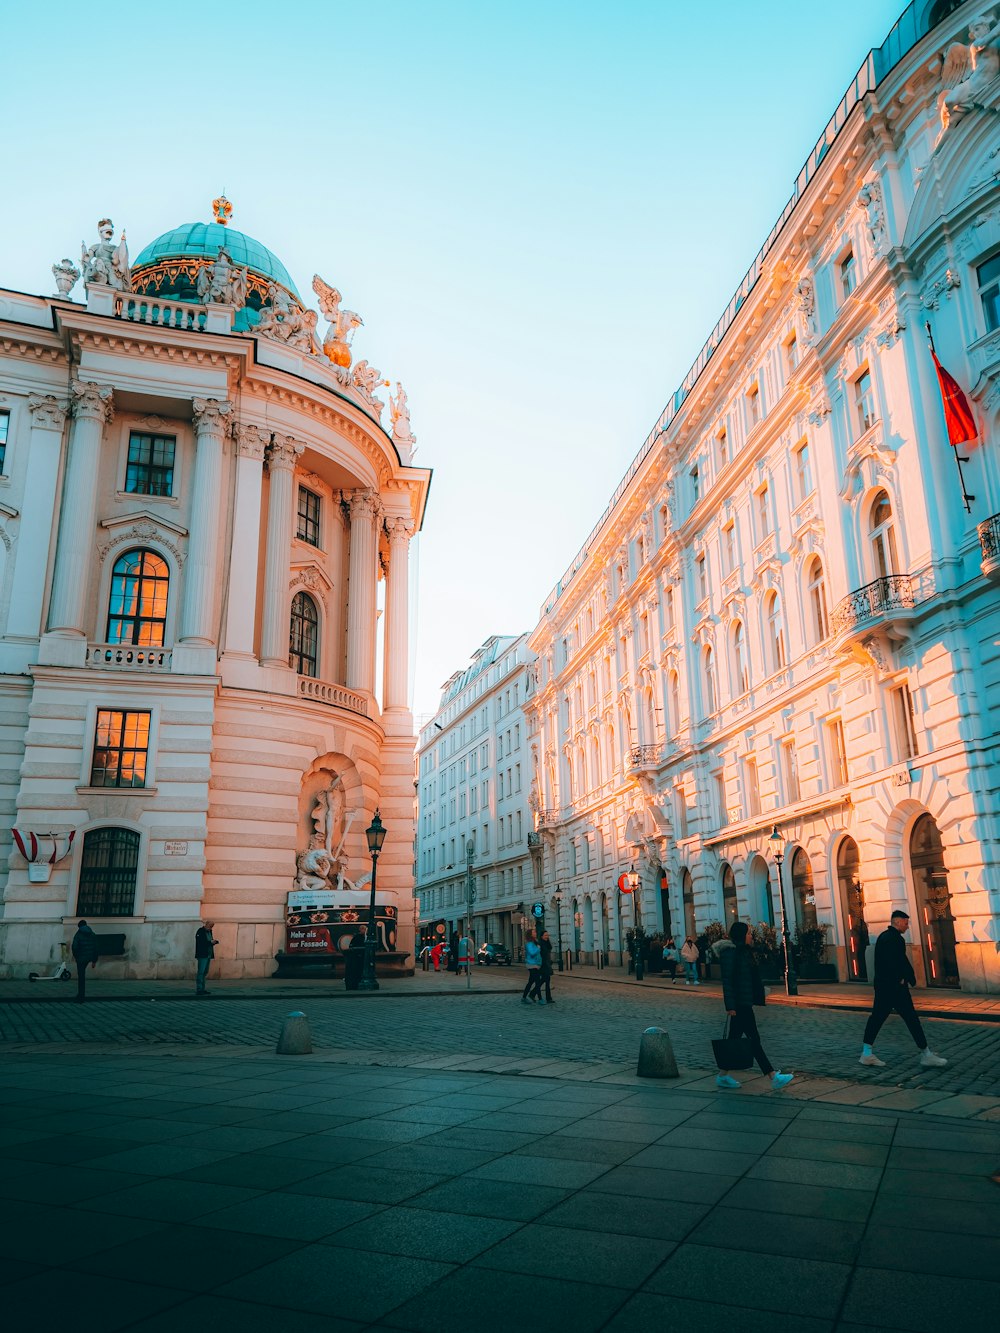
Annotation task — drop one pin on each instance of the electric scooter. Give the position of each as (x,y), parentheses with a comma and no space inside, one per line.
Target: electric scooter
(59,973)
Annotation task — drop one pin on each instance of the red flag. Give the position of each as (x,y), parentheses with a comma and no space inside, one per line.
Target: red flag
(958,418)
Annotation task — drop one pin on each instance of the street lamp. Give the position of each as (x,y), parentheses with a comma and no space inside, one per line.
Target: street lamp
(375,833)
(557,899)
(778,848)
(635,883)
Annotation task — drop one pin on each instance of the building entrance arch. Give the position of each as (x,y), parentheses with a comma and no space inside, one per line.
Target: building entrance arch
(930,887)
(605,925)
(759,888)
(852,899)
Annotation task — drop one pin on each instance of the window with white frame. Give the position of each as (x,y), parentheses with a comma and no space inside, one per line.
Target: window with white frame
(729,547)
(741,662)
(789,771)
(763,499)
(865,412)
(708,679)
(695,484)
(791,349)
(819,619)
(751,785)
(836,752)
(903,724)
(882,536)
(803,470)
(847,273)
(722,447)
(754,410)
(775,632)
(150,466)
(4,432)
(121,748)
(701,576)
(989,292)
(307,526)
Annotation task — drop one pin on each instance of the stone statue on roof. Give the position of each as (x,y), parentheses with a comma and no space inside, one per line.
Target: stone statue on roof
(283,321)
(343,323)
(105,264)
(968,71)
(222,282)
(366,380)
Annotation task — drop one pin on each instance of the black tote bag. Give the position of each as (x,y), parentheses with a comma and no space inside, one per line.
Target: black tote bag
(732,1052)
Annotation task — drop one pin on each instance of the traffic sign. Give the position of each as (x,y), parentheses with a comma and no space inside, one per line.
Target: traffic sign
(538,910)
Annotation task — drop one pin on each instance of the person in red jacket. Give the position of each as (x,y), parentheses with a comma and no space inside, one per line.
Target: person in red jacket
(893,979)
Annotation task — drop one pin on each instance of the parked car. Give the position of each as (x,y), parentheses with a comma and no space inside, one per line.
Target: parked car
(494,953)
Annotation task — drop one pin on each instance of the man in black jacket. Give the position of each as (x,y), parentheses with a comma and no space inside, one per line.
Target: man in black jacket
(204,952)
(893,979)
(84,950)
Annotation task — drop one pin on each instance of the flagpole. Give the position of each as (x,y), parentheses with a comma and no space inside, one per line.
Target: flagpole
(959,459)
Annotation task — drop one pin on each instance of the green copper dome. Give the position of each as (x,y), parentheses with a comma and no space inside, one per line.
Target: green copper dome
(204,240)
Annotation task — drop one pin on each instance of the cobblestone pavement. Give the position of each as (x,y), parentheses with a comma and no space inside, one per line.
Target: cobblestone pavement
(590,1022)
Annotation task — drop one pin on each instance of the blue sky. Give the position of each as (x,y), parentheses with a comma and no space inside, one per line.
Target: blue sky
(539,209)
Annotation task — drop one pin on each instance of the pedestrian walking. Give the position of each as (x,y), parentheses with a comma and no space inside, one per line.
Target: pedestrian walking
(436,953)
(742,988)
(465,952)
(204,952)
(453,952)
(671,957)
(533,961)
(893,979)
(85,950)
(689,957)
(545,945)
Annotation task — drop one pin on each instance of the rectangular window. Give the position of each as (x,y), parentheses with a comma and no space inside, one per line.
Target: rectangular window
(836,753)
(682,813)
(803,470)
(150,468)
(790,772)
(4,430)
(864,402)
(108,870)
(701,572)
(791,354)
(848,271)
(753,406)
(307,529)
(989,292)
(901,704)
(719,783)
(763,513)
(695,485)
(668,613)
(722,448)
(751,785)
(121,748)
(729,547)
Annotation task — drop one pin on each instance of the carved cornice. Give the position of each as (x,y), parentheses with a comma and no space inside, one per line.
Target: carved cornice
(282,453)
(47,411)
(212,415)
(92,401)
(15,347)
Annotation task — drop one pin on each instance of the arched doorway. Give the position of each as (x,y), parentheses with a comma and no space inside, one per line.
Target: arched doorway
(577,923)
(930,884)
(853,899)
(687,894)
(730,907)
(665,903)
(588,925)
(605,924)
(804,895)
(759,887)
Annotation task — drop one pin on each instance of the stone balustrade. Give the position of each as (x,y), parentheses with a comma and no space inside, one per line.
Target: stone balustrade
(164,314)
(325,692)
(128,657)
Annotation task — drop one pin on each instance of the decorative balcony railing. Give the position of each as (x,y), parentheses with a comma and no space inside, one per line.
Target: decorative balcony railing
(128,657)
(643,756)
(164,314)
(876,601)
(324,692)
(547,817)
(989,541)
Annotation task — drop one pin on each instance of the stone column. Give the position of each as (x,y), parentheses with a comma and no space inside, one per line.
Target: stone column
(397,611)
(201,574)
(361,593)
(281,456)
(92,409)
(34,533)
(251,441)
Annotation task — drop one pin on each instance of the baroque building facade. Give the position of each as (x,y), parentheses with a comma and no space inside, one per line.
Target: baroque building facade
(789,614)
(202,518)
(474,820)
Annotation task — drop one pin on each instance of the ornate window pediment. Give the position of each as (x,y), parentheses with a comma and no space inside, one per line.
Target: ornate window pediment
(141,527)
(308,574)
(869,462)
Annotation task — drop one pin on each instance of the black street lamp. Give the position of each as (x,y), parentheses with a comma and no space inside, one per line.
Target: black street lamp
(635,884)
(375,833)
(557,899)
(778,847)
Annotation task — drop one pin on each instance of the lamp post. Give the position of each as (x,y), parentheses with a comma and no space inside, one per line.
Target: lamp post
(557,899)
(635,884)
(375,833)
(778,847)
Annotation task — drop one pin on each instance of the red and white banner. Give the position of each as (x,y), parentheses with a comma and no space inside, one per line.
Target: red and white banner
(34,847)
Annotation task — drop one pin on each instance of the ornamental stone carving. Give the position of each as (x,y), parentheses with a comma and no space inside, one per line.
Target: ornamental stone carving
(806,293)
(399,413)
(342,326)
(366,379)
(222,282)
(283,321)
(870,199)
(211,415)
(67,275)
(47,411)
(251,441)
(968,72)
(931,297)
(95,401)
(142,530)
(365,504)
(399,529)
(282,452)
(104,264)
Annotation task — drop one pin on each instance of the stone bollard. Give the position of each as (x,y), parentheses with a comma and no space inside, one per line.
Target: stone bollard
(656,1055)
(295,1038)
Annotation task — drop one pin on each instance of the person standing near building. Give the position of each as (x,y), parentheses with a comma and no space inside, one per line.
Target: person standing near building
(689,957)
(545,972)
(671,957)
(436,953)
(533,961)
(893,978)
(204,952)
(84,948)
(742,988)
(465,950)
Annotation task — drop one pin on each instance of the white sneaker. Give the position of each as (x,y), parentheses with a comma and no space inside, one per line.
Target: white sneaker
(931,1061)
(780,1080)
(727,1081)
(871,1060)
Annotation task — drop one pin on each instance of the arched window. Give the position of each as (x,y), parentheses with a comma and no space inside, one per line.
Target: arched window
(708,680)
(674,702)
(802,887)
(687,903)
(108,872)
(730,908)
(303,635)
(775,633)
(816,588)
(137,610)
(882,535)
(741,663)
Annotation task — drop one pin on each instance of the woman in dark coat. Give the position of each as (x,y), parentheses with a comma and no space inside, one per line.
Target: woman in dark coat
(742,988)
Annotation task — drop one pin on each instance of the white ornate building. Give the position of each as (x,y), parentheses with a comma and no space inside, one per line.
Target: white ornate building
(202,519)
(786,614)
(473,792)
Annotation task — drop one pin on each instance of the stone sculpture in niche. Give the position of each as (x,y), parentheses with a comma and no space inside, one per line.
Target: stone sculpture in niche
(967,73)
(105,264)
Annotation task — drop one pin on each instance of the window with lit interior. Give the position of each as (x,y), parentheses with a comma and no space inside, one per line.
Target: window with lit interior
(137,607)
